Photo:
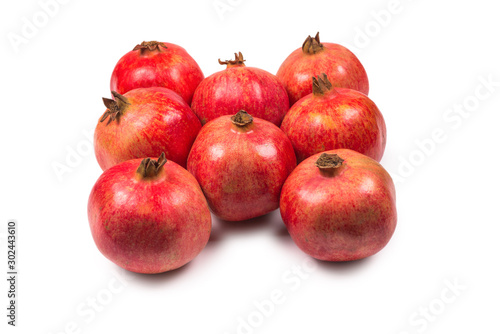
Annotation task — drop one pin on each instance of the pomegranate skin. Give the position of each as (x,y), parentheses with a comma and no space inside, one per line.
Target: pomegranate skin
(344,215)
(171,67)
(340,118)
(238,87)
(157,120)
(148,226)
(241,169)
(341,66)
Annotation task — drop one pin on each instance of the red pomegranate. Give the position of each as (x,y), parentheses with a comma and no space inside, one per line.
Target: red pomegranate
(143,123)
(314,58)
(332,118)
(240,88)
(339,206)
(148,216)
(241,164)
(157,64)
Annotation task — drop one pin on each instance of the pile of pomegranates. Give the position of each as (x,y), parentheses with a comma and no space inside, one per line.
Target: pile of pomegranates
(174,145)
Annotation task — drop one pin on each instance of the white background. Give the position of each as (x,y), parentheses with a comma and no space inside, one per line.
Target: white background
(425,60)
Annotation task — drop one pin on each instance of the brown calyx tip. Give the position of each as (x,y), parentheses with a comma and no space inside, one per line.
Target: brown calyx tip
(312,45)
(151,46)
(115,107)
(150,168)
(238,60)
(321,84)
(329,161)
(241,118)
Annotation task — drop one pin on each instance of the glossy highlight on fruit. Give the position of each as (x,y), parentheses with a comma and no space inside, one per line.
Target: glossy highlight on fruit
(144,123)
(332,118)
(339,205)
(239,87)
(241,164)
(157,64)
(148,216)
(342,67)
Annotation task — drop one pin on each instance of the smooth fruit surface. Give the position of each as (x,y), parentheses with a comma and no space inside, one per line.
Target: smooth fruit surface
(151,222)
(342,67)
(240,88)
(333,118)
(157,64)
(144,123)
(241,165)
(342,213)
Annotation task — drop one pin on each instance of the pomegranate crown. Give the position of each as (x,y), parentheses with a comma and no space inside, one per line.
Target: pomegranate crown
(242,118)
(238,60)
(321,84)
(150,168)
(151,46)
(329,161)
(115,107)
(312,45)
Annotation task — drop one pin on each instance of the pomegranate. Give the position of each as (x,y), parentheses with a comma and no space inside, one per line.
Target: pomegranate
(143,123)
(148,216)
(339,206)
(240,88)
(332,118)
(157,64)
(341,65)
(241,163)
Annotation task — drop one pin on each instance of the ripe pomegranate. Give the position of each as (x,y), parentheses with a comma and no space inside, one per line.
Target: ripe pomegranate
(143,123)
(339,206)
(240,88)
(332,118)
(148,216)
(340,64)
(157,64)
(241,163)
